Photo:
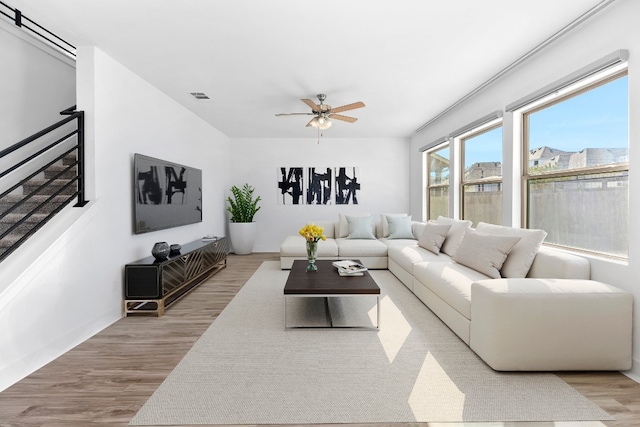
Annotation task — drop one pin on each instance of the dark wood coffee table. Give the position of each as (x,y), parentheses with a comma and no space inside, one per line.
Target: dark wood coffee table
(326,282)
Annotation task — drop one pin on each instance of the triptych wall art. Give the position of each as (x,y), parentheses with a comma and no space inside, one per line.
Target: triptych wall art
(318,186)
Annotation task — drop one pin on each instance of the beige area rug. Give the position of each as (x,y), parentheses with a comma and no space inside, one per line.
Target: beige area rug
(247,369)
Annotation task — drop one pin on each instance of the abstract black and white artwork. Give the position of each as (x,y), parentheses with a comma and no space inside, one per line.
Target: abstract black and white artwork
(319,187)
(290,186)
(347,185)
(166,194)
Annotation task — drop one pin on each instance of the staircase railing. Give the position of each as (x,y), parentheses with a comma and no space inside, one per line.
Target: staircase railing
(37,30)
(44,153)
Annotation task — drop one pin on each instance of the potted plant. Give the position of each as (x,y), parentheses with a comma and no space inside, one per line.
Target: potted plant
(242,229)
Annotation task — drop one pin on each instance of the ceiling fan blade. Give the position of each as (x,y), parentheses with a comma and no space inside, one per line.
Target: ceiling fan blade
(294,114)
(348,107)
(310,103)
(343,118)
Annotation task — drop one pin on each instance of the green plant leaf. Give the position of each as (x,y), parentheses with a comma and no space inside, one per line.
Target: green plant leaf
(243,206)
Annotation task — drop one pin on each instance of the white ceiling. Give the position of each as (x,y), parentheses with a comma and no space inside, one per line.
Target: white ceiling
(407,60)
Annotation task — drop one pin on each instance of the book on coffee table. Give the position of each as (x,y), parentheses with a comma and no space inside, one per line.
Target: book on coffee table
(349,268)
(343,272)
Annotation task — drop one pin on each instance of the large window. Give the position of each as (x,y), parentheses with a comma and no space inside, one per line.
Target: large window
(576,168)
(481,180)
(438,182)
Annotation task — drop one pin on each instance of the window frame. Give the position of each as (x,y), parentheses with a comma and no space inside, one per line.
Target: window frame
(525,112)
(494,124)
(428,153)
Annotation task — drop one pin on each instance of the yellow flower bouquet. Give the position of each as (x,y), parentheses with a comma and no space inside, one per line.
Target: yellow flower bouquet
(312,233)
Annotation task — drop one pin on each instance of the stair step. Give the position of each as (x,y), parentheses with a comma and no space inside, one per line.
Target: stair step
(9,240)
(33,184)
(8,221)
(8,201)
(53,170)
(12,218)
(69,159)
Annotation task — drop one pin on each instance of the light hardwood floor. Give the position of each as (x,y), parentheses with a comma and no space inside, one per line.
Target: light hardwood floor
(105,380)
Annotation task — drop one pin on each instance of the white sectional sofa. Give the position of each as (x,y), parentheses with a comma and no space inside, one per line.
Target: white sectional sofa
(371,252)
(519,305)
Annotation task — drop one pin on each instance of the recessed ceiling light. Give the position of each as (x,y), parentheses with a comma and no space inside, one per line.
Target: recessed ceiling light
(199,95)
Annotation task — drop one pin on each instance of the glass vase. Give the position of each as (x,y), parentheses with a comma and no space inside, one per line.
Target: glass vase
(312,254)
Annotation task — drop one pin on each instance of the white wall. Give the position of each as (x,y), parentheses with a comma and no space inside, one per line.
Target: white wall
(74,289)
(383,163)
(37,83)
(610,30)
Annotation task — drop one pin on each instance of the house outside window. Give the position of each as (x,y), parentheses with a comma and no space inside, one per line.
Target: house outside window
(576,167)
(438,182)
(481,180)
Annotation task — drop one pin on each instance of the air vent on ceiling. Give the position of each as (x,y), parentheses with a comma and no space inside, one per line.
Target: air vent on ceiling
(199,95)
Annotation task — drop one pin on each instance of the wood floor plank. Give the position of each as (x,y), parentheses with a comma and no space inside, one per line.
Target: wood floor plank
(105,380)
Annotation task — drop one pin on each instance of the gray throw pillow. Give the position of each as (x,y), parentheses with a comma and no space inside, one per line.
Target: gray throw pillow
(433,236)
(455,234)
(483,252)
(521,257)
(360,227)
(400,227)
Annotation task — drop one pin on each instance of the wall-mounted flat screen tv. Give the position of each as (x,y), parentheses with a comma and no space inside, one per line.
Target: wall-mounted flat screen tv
(166,194)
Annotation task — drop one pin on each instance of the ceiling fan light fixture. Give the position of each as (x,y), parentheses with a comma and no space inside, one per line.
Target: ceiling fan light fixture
(320,123)
(326,125)
(322,112)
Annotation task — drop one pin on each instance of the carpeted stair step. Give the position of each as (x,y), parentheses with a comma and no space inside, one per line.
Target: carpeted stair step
(8,221)
(8,201)
(33,184)
(69,159)
(9,240)
(53,170)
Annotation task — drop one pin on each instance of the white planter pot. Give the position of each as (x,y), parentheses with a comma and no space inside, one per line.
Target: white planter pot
(243,236)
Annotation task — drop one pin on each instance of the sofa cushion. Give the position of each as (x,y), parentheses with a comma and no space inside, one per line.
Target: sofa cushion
(400,227)
(433,236)
(360,227)
(521,256)
(408,255)
(385,222)
(296,246)
(551,324)
(484,252)
(418,227)
(343,225)
(559,265)
(455,234)
(449,281)
(354,248)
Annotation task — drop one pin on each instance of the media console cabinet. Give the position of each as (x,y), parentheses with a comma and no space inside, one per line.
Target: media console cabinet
(151,286)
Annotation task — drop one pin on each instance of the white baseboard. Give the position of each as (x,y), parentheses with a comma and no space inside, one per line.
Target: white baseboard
(634,372)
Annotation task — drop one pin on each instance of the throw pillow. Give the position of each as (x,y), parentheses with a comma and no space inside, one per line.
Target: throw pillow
(483,252)
(359,227)
(433,236)
(385,223)
(455,234)
(343,225)
(521,257)
(400,227)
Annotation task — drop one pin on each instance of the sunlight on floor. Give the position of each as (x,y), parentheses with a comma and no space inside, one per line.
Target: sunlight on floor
(434,385)
(391,338)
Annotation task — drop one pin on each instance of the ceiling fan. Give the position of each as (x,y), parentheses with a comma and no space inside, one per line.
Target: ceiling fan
(324,113)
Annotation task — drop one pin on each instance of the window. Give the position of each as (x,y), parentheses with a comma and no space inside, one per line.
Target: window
(482,176)
(576,168)
(438,182)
